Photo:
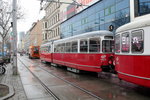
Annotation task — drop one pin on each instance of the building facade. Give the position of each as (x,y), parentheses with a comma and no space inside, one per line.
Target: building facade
(33,37)
(51,22)
(20,40)
(99,16)
(26,42)
(104,15)
(35,33)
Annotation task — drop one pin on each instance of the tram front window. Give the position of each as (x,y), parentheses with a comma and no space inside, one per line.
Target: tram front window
(36,50)
(117,44)
(107,46)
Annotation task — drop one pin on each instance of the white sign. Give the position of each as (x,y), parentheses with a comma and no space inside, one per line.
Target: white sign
(85,4)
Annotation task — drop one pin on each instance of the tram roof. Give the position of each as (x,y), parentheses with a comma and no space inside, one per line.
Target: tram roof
(45,44)
(134,25)
(87,35)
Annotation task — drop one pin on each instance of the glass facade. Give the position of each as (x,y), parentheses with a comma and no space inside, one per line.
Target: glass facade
(97,17)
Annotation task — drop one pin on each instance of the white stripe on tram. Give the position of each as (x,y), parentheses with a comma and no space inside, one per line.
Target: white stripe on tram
(134,76)
(77,64)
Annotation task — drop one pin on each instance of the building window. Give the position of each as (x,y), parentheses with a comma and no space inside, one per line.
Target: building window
(84,21)
(45,36)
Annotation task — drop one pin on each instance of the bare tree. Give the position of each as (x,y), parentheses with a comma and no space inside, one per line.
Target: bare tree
(5,20)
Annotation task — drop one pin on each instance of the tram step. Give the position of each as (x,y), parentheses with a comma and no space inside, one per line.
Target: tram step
(73,70)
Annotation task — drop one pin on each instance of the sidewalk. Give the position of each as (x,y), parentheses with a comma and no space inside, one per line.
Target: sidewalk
(14,81)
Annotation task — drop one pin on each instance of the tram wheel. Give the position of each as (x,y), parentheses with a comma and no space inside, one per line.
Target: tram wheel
(120,79)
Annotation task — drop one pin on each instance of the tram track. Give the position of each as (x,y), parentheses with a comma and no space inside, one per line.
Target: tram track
(45,87)
(66,81)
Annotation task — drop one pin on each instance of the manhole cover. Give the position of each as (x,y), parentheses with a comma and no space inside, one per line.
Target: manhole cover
(4,90)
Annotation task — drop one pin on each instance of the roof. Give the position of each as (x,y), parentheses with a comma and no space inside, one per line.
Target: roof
(134,25)
(89,34)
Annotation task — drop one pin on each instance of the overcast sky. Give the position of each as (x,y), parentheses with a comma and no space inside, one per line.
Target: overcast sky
(31,9)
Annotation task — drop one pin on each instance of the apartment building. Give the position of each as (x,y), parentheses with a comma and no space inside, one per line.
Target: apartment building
(35,33)
(51,22)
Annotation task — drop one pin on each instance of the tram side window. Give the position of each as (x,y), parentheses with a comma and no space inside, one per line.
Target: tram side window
(49,48)
(63,47)
(117,44)
(74,46)
(137,41)
(68,47)
(41,50)
(94,45)
(56,49)
(125,43)
(83,45)
(59,48)
(46,49)
(107,45)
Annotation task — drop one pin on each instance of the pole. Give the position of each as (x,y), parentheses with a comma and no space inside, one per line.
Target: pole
(14,18)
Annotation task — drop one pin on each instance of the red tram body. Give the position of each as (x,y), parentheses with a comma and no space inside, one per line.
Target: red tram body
(34,52)
(87,62)
(88,51)
(46,52)
(132,54)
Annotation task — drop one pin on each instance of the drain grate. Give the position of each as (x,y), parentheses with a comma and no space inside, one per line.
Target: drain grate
(4,90)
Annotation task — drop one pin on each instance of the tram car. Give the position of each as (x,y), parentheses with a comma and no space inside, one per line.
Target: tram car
(132,52)
(46,52)
(34,52)
(90,51)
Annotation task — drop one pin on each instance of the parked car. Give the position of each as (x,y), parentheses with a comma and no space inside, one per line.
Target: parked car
(6,57)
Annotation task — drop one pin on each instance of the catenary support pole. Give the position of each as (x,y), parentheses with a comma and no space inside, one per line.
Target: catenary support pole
(14,19)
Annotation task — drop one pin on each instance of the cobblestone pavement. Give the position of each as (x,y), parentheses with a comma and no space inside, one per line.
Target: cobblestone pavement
(14,81)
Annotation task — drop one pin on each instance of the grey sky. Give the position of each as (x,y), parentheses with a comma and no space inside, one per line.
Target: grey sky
(31,9)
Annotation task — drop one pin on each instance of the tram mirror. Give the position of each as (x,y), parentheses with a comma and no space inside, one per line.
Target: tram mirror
(111,28)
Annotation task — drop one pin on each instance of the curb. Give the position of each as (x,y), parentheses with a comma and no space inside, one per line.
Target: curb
(11,92)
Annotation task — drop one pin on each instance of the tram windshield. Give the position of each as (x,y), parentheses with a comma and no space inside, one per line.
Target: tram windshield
(36,50)
(107,46)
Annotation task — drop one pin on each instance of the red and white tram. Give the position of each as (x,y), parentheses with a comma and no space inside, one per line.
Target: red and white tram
(132,52)
(89,51)
(46,52)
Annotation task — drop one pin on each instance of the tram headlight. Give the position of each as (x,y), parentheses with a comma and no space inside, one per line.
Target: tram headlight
(110,62)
